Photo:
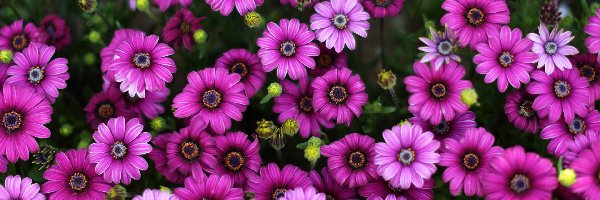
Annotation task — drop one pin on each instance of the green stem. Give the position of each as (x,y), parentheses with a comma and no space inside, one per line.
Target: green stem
(279,155)
(394,97)
(586,8)
(112,25)
(559,165)
(312,164)
(381,42)
(266,99)
(14,9)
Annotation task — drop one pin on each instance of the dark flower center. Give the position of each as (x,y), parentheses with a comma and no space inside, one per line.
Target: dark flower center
(306,104)
(577,126)
(190,150)
(506,59)
(550,47)
(475,17)
(133,99)
(142,60)
(439,90)
(519,183)
(525,109)
(562,89)
(324,60)
(588,72)
(234,161)
(185,27)
(105,111)
(278,193)
(357,159)
(329,197)
(394,189)
(445,47)
(338,94)
(442,128)
(12,121)
(406,156)
(382,3)
(19,42)
(471,161)
(340,21)
(78,182)
(239,68)
(36,75)
(288,48)
(51,31)
(211,99)
(118,150)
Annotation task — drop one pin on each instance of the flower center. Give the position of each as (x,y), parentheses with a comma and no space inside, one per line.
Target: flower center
(185,27)
(519,183)
(118,150)
(475,17)
(211,99)
(471,161)
(279,193)
(234,161)
(577,126)
(329,197)
(19,42)
(324,60)
(78,182)
(382,3)
(439,91)
(133,99)
(190,150)
(562,89)
(588,72)
(406,156)
(445,47)
(338,94)
(340,21)
(306,104)
(288,48)
(12,121)
(506,59)
(393,189)
(51,31)
(357,159)
(525,109)
(106,111)
(36,74)
(239,68)
(142,60)
(442,128)
(550,47)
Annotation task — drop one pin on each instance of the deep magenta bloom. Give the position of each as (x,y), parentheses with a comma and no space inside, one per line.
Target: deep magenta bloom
(247,65)
(108,53)
(593,29)
(34,69)
(337,20)
(563,93)
(466,160)
(339,95)
(327,60)
(407,157)
(59,34)
(436,93)
(199,186)
(297,103)
(380,189)
(587,166)
(179,30)
(3,69)
(350,160)
(562,133)
(326,184)
(105,105)
(440,48)
(15,37)
(473,21)
(288,47)
(237,156)
(272,183)
(165,4)
(552,48)
(588,68)
(383,8)
(309,193)
(142,64)
(21,189)
(155,194)
(191,148)
(73,178)
(151,106)
(24,114)
(580,143)
(520,113)
(225,7)
(212,95)
(3,164)
(447,129)
(159,156)
(519,175)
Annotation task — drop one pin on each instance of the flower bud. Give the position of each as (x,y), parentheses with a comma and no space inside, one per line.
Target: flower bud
(200,36)
(315,141)
(94,37)
(66,129)
(274,89)
(266,129)
(89,58)
(88,6)
(405,121)
(290,127)
(312,153)
(253,19)
(117,192)
(469,97)
(142,5)
(6,56)
(277,141)
(567,177)
(158,124)
(386,79)
(44,156)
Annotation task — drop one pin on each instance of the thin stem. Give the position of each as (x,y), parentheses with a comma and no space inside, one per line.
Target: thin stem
(312,164)
(279,155)
(14,9)
(382,43)
(105,20)
(394,97)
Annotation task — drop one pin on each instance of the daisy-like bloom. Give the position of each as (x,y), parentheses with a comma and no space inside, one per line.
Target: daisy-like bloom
(580,143)
(288,47)
(588,68)
(472,21)
(236,156)
(447,129)
(179,30)
(327,60)
(159,156)
(57,31)
(163,5)
(466,160)
(562,133)
(272,183)
(436,93)
(108,53)
(73,178)
(297,103)
(155,194)
(225,7)
(23,116)
(191,148)
(118,149)
(381,189)
(587,167)
(350,160)
(22,189)
(337,20)
(34,69)
(519,111)
(212,95)
(3,164)
(326,184)
(15,37)
(309,193)
(3,74)
(563,93)
(593,29)
(380,9)
(339,95)
(505,58)
(142,64)
(440,48)
(199,186)
(105,105)
(519,175)
(247,65)
(150,106)
(407,157)
(552,48)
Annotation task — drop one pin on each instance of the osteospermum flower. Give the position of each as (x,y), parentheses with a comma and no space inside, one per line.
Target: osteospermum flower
(179,30)
(22,189)
(23,116)
(3,164)
(407,157)
(34,69)
(473,21)
(73,178)
(327,60)
(106,105)
(440,48)
(324,183)
(447,129)
(381,189)
(159,156)
(212,95)
(272,183)
(552,48)
(436,93)
(288,47)
(593,29)
(587,166)
(380,9)
(142,64)
(149,106)
(15,37)
(108,53)
(580,143)
(519,111)
(225,7)
(236,156)
(350,160)
(247,65)
(3,69)
(519,175)
(563,93)
(191,148)
(163,5)
(339,95)
(199,186)
(337,20)
(56,29)
(310,193)
(562,133)
(588,68)
(154,194)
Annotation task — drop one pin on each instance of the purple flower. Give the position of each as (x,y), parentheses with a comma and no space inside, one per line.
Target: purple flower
(272,183)
(407,157)
(562,133)
(327,60)
(447,129)
(588,68)
(466,160)
(179,30)
(16,38)
(310,193)
(339,95)
(381,189)
(22,189)
(225,7)
(287,47)
(247,65)
(237,156)
(165,4)
(552,48)
(108,53)
(3,74)
(519,175)
(73,178)
(23,116)
(34,69)
(159,156)
(105,105)
(150,106)
(56,29)
(580,143)
(350,160)
(473,21)
(154,194)
(336,21)
(593,29)
(3,164)
(440,48)
(212,95)
(586,167)
(199,186)
(519,111)
(564,93)
(191,148)
(380,9)
(436,93)
(326,184)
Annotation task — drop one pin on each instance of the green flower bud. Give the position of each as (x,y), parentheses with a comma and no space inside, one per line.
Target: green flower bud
(405,121)
(200,36)
(266,129)
(158,124)
(274,89)
(315,141)
(89,58)
(142,5)
(94,37)
(44,156)
(290,127)
(277,141)
(88,6)
(312,153)
(66,130)
(386,79)
(117,192)
(469,97)
(253,19)
(567,177)
(6,56)
(163,188)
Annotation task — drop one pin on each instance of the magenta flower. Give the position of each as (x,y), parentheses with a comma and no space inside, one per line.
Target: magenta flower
(237,156)
(73,178)
(199,186)
(179,30)
(327,60)
(580,143)
(22,189)
(593,29)
(381,189)
(225,7)
(272,183)
(447,129)
(3,164)
(15,37)
(163,5)
(34,69)
(159,156)
(436,93)
(310,193)
(155,194)
(440,48)
(519,175)
(552,48)
(350,160)
(3,74)
(106,105)
(288,47)
(326,184)
(108,53)
(247,65)
(59,34)
(212,95)
(150,106)
(520,113)
(586,167)
(336,21)
(588,68)
(191,148)
(563,93)
(473,21)
(380,9)
(562,133)
(339,95)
